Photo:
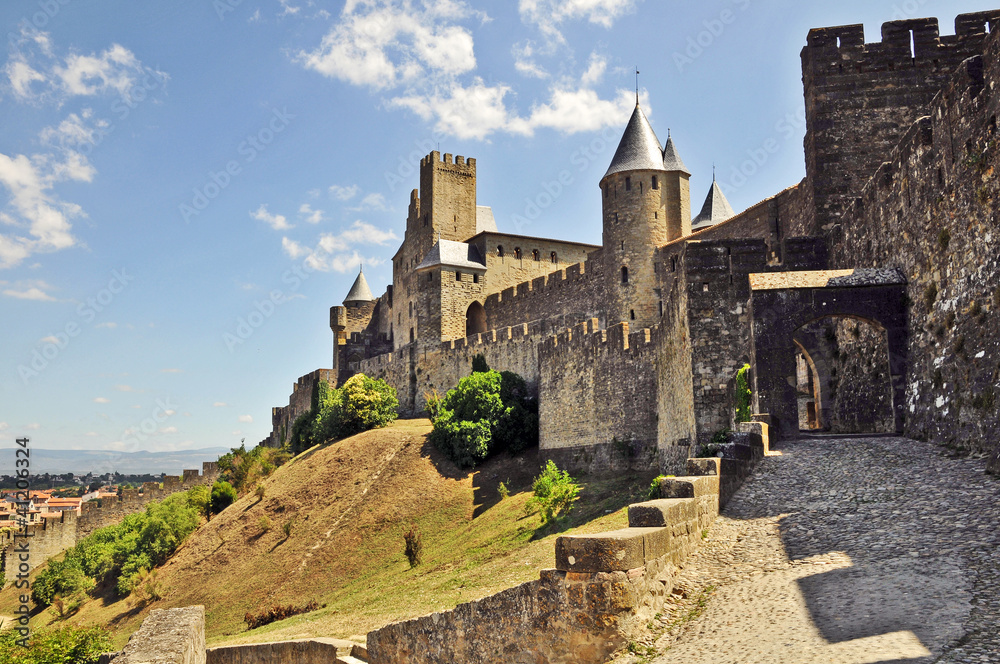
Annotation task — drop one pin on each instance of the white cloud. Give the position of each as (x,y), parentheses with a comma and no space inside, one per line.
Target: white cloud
(168,430)
(107,325)
(361,232)
(375,202)
(32,293)
(293,248)
(595,70)
(475,111)
(49,340)
(344,193)
(574,110)
(384,43)
(255,17)
(547,15)
(288,8)
(276,221)
(102,400)
(4,426)
(220,404)
(310,215)
(245,418)
(524,61)
(335,251)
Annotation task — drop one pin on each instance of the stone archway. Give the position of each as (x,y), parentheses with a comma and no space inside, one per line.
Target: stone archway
(783,302)
(475,319)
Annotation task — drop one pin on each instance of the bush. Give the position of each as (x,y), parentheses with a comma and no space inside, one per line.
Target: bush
(62,579)
(555,492)
(743,394)
(414,545)
(66,645)
(245,469)
(362,403)
(287,528)
(223,495)
(479,364)
(485,413)
(268,616)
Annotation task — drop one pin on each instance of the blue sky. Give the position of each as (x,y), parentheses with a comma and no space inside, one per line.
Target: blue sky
(187,187)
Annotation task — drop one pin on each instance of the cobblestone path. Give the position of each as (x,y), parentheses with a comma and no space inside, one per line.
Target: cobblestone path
(844,550)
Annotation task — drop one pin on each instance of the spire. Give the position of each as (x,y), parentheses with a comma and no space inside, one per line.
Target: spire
(671,159)
(360,292)
(639,148)
(716,208)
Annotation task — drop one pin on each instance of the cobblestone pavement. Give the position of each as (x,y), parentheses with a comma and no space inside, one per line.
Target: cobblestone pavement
(843,550)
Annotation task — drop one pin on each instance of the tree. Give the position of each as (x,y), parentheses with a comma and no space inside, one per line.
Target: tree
(360,404)
(223,495)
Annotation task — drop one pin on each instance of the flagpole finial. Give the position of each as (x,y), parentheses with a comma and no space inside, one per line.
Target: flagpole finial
(637,86)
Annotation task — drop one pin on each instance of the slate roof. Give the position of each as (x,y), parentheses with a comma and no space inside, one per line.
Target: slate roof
(447,253)
(715,209)
(672,160)
(639,148)
(360,292)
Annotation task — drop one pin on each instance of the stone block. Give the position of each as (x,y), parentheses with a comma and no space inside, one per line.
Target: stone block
(661,513)
(617,550)
(689,487)
(167,636)
(758,428)
(706,466)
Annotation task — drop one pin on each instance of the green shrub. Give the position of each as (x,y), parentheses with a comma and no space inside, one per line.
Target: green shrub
(362,403)
(60,578)
(223,495)
(485,413)
(479,364)
(245,469)
(503,490)
(654,488)
(743,394)
(65,645)
(413,545)
(275,613)
(287,528)
(555,492)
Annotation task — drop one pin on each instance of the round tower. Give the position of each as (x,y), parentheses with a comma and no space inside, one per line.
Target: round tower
(643,209)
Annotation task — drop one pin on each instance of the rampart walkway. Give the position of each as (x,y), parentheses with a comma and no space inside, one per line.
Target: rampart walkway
(845,550)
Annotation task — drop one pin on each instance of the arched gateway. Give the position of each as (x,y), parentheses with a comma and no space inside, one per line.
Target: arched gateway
(783,302)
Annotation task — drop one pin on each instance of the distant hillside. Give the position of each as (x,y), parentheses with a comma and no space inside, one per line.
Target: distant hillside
(81,462)
(349,504)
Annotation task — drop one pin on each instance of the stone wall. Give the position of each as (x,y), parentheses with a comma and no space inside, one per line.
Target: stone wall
(303,651)
(861,98)
(300,401)
(54,535)
(861,395)
(604,586)
(167,636)
(598,398)
(932,210)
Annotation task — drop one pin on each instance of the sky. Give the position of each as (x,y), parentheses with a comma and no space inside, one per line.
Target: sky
(187,187)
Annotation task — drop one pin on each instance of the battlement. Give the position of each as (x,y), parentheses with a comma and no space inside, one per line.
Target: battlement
(460,163)
(541,286)
(587,337)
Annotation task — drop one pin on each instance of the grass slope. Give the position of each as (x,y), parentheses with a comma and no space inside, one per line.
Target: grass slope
(349,504)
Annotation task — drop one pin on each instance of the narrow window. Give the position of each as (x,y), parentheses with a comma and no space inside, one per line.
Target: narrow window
(661,309)
(430,276)
(411,310)
(628,184)
(673,263)
(623,245)
(631,314)
(624,275)
(458,276)
(656,183)
(500,250)
(411,334)
(535,255)
(554,258)
(992,126)
(475,278)
(517,253)
(913,45)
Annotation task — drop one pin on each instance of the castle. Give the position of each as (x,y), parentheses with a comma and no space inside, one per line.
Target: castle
(861,297)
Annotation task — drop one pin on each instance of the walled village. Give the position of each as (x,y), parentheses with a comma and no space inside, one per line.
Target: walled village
(863,299)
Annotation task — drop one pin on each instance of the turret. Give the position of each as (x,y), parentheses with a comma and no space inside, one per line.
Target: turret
(715,210)
(646,203)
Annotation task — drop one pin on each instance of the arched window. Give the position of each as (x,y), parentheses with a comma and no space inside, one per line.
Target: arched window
(500,250)
(555,259)
(411,334)
(517,253)
(624,275)
(535,255)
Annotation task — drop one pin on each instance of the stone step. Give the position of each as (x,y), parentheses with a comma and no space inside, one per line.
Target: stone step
(348,659)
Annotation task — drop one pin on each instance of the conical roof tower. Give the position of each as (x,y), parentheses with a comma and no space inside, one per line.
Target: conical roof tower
(716,208)
(671,158)
(360,292)
(639,149)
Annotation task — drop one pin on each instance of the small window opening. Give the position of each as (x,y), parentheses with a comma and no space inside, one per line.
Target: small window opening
(475,278)
(623,245)
(656,183)
(458,276)
(411,310)
(500,250)
(554,258)
(430,276)
(913,44)
(661,309)
(624,275)
(535,255)
(517,253)
(992,125)
(704,287)
(631,314)
(838,42)
(411,335)
(628,184)
(673,263)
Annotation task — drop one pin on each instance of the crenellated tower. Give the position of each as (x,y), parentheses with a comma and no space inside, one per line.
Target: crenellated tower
(646,203)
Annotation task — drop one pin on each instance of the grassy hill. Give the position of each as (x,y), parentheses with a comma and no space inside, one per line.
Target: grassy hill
(349,504)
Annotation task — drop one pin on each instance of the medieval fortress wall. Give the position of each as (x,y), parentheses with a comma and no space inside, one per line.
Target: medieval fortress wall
(632,350)
(53,535)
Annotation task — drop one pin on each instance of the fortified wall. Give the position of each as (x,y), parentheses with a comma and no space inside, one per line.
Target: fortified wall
(54,535)
(932,210)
